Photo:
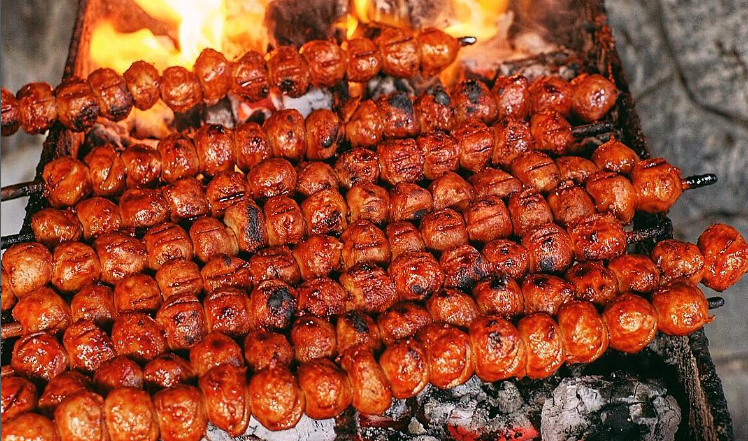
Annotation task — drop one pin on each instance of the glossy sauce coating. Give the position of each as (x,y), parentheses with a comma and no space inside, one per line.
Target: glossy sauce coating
(327,390)
(406,368)
(181,413)
(725,256)
(583,331)
(497,348)
(544,344)
(631,323)
(449,355)
(130,415)
(277,401)
(227,402)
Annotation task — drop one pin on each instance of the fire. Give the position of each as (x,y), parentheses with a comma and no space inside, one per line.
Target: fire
(478,18)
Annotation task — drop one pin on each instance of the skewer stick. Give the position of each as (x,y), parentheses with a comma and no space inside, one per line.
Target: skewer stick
(467,40)
(698,181)
(591,129)
(9,241)
(715,302)
(7,371)
(645,234)
(16,191)
(11,330)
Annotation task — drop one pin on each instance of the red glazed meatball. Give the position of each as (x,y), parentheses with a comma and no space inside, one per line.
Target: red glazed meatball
(402,321)
(272,177)
(678,259)
(77,108)
(583,332)
(186,199)
(81,417)
(180,89)
(136,335)
(42,310)
(181,413)
(98,216)
(215,349)
(318,256)
(327,390)
(286,134)
(11,115)
(400,161)
(615,156)
(614,194)
(67,181)
(473,99)
(327,62)
(60,388)
(476,142)
(167,371)
(364,59)
(323,134)
(30,426)
(513,97)
(405,366)
(544,345)
(314,176)
(498,350)
(443,229)
(137,293)
(657,185)
(681,308)
(313,338)
(528,210)
(52,227)
(452,307)
(512,138)
(435,110)
(213,71)
(250,74)
(448,353)
(536,170)
(364,129)
(369,288)
(399,115)
(288,71)
(570,203)
(143,83)
(552,133)
(250,145)
(273,304)
(451,191)
(463,267)
(364,242)
(371,390)
(417,275)
(550,249)
(224,190)
(593,282)
(167,242)
(223,271)
(487,219)
(36,107)
(107,169)
(39,356)
(88,346)
(401,52)
(227,311)
(116,373)
(277,400)
(215,149)
(551,93)
(357,165)
(179,159)
(285,222)
(130,415)
(355,327)
(325,212)
(441,154)
(631,323)
(500,296)
(264,348)
(274,263)
(227,403)
(183,321)
(575,169)
(367,201)
(409,202)
(210,238)
(143,208)
(725,256)
(94,303)
(142,165)
(28,266)
(404,237)
(592,96)
(19,396)
(438,50)
(247,222)
(493,182)
(76,265)
(545,293)
(635,273)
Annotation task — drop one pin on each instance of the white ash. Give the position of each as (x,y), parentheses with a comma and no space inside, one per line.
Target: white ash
(315,98)
(221,113)
(307,430)
(594,407)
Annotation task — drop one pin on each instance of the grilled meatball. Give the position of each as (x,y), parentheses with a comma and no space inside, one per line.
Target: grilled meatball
(402,321)
(550,249)
(215,349)
(500,295)
(225,189)
(552,133)
(11,115)
(371,390)
(272,177)
(223,271)
(364,242)
(435,110)
(544,344)
(264,348)
(137,335)
(399,115)
(536,170)
(367,201)
(513,97)
(42,310)
(97,216)
(493,182)
(476,143)
(274,263)
(452,307)
(137,293)
(179,159)
(28,266)
(314,176)
(7,298)
(323,134)
(570,203)
(250,74)
(166,371)
(227,311)
(441,154)
(66,181)
(545,293)
(592,96)
(286,134)
(583,332)
(144,84)
(404,237)
(417,275)
(355,327)
(438,50)
(364,129)
(369,288)
(321,297)
(36,107)
(142,166)
(81,418)
(400,161)
(498,350)
(615,156)
(631,323)
(167,242)
(77,107)
(213,71)
(179,276)
(227,404)
(277,400)
(87,345)
(19,396)
(120,255)
(463,267)
(180,89)
(39,356)
(60,388)
(285,222)
(657,185)
(327,62)
(75,266)
(273,304)
(325,212)
(250,145)
(215,149)
(575,169)
(313,338)
(318,256)
(448,353)
(511,138)
(210,238)
(94,303)
(678,259)
(288,71)
(443,229)
(52,227)
(409,202)
(181,413)
(183,321)
(474,100)
(614,194)
(130,415)
(593,282)
(401,52)
(186,199)
(247,222)
(143,208)
(116,373)
(30,426)
(725,256)
(107,170)
(406,368)
(357,165)
(451,191)
(635,273)
(364,59)
(528,210)
(681,308)
(551,93)
(327,390)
